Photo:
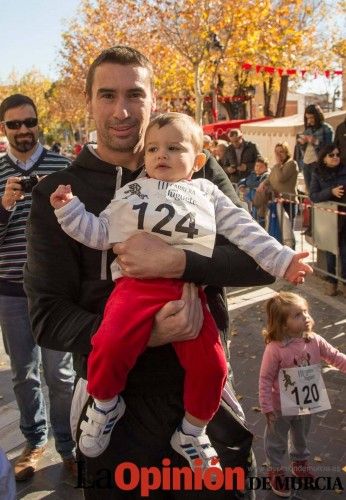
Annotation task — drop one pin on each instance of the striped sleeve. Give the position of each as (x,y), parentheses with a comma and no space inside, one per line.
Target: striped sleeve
(13,223)
(84,226)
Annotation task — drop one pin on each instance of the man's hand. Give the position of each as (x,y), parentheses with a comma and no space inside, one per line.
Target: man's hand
(147,256)
(61,196)
(297,270)
(13,192)
(178,320)
(242,167)
(230,170)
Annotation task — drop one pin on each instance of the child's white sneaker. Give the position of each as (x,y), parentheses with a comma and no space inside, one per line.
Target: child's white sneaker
(97,429)
(195,447)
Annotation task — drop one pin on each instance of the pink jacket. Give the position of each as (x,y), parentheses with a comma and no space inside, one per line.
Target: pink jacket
(290,353)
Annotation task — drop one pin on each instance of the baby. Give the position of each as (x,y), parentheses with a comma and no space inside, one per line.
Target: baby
(186,213)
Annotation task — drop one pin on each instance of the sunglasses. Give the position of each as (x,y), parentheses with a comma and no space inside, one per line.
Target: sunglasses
(333,155)
(16,124)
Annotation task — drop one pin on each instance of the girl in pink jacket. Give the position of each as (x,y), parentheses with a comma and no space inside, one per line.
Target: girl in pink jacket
(291,387)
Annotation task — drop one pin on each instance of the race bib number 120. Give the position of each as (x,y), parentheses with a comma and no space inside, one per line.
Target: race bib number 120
(302,390)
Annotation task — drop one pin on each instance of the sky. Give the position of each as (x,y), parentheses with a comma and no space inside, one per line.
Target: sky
(30,34)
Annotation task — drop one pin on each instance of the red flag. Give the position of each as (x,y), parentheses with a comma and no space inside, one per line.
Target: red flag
(246,66)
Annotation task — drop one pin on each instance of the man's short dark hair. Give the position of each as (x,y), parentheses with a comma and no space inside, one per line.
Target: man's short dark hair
(14,101)
(119,54)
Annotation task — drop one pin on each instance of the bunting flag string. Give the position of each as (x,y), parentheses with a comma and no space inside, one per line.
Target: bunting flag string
(259,68)
(184,100)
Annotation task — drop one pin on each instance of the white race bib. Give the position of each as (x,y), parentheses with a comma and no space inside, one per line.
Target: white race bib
(178,212)
(302,390)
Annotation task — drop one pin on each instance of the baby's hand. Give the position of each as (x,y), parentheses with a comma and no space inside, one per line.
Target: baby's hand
(297,270)
(270,416)
(61,196)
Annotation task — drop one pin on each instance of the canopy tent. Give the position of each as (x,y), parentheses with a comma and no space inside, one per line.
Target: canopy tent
(266,134)
(217,129)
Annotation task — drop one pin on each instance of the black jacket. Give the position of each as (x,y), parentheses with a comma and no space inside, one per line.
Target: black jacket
(67,284)
(340,140)
(248,156)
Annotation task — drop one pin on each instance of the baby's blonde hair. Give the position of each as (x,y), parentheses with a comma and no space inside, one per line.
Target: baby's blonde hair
(277,313)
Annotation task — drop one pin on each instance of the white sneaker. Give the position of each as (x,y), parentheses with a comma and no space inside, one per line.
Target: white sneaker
(192,448)
(97,429)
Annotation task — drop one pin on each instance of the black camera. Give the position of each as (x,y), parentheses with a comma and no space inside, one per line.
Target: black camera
(28,182)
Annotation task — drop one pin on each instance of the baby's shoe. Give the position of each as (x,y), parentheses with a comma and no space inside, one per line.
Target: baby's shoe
(195,447)
(97,428)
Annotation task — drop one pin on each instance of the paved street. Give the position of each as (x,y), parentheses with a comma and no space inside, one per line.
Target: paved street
(327,437)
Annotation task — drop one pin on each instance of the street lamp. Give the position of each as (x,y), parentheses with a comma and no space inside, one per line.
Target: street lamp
(250,92)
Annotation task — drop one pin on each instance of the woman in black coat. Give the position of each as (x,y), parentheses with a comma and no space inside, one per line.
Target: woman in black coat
(328,183)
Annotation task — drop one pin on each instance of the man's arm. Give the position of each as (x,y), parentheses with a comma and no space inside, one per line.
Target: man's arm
(53,283)
(66,305)
(229,266)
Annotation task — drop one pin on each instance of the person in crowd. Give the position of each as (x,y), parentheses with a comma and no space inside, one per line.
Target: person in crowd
(56,147)
(340,140)
(173,152)
(24,164)
(67,301)
(317,133)
(77,148)
(207,143)
(291,345)
(328,183)
(220,151)
(248,187)
(282,180)
(240,157)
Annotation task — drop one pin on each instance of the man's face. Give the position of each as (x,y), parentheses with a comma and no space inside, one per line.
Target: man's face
(310,120)
(121,104)
(23,139)
(236,140)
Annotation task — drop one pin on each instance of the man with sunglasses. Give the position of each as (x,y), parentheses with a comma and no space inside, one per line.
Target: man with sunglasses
(27,157)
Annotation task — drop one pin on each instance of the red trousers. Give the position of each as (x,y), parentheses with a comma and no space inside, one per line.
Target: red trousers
(124,334)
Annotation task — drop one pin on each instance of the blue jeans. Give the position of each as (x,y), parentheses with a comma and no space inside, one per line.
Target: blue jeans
(26,358)
(307,173)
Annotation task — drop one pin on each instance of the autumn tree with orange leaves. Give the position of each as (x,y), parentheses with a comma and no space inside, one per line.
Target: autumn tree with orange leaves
(179,38)
(192,45)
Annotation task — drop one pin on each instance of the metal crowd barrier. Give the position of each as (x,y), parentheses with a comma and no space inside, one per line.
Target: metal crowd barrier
(315,229)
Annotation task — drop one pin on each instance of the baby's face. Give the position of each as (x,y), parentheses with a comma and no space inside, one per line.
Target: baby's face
(169,154)
(260,168)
